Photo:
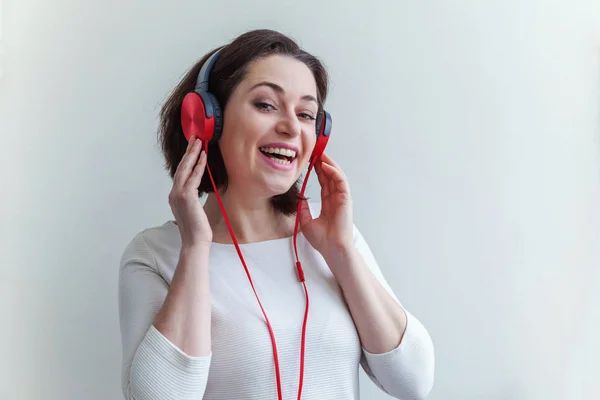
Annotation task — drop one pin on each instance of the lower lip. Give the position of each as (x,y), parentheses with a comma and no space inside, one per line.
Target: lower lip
(276,165)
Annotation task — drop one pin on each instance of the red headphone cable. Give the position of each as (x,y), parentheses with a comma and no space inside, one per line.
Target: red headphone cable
(300,277)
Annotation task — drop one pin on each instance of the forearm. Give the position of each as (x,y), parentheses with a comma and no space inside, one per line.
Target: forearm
(398,351)
(379,319)
(185,317)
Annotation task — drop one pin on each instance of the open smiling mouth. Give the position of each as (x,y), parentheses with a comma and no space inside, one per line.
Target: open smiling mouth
(279,155)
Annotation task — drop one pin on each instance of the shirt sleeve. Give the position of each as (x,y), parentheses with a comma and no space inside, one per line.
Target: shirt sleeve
(153,368)
(406,372)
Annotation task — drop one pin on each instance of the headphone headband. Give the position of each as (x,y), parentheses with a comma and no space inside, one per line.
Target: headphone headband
(204,74)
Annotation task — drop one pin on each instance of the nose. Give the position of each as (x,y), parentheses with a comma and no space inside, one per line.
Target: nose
(288,124)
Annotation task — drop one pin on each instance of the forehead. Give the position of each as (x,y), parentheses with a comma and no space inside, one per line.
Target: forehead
(293,75)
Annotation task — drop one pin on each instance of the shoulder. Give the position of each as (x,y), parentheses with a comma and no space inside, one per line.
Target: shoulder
(150,244)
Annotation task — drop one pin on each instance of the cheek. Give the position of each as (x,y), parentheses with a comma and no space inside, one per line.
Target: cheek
(230,150)
(235,154)
(239,153)
(234,142)
(247,129)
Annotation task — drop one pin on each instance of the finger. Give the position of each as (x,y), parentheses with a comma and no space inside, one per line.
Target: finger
(191,142)
(187,163)
(336,177)
(331,162)
(327,158)
(305,214)
(319,172)
(323,181)
(196,177)
(327,178)
(187,150)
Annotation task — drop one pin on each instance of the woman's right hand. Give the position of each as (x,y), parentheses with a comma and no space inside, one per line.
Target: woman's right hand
(183,198)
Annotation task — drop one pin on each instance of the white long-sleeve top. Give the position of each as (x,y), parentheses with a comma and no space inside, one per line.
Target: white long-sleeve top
(240,365)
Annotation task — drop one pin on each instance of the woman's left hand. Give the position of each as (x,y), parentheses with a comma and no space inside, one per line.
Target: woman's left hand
(333,229)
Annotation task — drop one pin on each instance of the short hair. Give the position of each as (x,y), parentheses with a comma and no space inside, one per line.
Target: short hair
(228,71)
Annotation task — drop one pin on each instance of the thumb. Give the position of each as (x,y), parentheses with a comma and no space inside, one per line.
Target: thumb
(305,214)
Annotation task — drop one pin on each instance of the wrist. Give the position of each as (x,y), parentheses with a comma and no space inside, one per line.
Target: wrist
(339,253)
(194,250)
(342,258)
(193,263)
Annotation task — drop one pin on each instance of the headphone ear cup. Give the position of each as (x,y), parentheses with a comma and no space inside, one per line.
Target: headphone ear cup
(318,124)
(201,117)
(193,118)
(218,116)
(323,133)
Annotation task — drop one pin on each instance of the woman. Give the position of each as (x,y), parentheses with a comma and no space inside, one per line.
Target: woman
(213,304)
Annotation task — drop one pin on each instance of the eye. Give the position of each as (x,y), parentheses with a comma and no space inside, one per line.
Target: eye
(307,116)
(261,105)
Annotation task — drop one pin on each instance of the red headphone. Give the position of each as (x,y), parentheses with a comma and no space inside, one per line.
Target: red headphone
(201,116)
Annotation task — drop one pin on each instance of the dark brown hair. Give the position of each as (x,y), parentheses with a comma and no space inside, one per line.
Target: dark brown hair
(228,71)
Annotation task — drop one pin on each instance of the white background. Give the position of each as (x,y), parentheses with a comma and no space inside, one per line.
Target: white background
(469,131)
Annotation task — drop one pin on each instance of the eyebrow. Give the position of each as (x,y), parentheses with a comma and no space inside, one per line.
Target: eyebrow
(279,89)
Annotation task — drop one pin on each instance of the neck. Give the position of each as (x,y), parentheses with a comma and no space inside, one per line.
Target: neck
(252,218)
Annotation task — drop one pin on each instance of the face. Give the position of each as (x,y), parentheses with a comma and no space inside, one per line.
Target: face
(269,126)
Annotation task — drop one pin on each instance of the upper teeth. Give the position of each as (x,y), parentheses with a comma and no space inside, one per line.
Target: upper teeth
(283,152)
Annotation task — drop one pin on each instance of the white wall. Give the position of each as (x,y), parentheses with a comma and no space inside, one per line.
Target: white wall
(483,115)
